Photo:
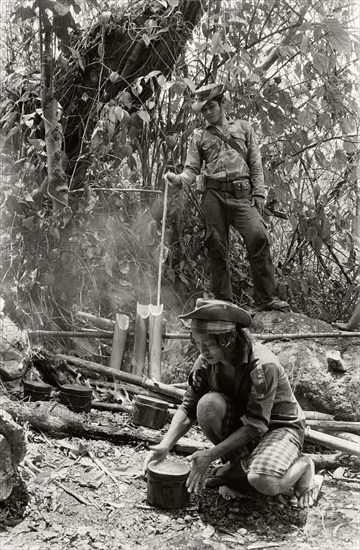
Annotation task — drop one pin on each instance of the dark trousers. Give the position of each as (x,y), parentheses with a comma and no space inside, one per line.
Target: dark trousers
(221,210)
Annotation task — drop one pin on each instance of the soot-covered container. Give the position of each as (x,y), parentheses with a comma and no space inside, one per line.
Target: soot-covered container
(166,484)
(149,412)
(76,397)
(36,391)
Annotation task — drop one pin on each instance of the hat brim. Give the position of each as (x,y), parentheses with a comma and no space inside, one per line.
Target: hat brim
(198,105)
(220,312)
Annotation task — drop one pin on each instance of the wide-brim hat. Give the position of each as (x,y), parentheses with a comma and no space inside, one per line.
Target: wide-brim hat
(206,94)
(218,310)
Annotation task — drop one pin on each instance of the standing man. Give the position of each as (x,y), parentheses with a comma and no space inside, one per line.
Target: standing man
(227,155)
(353,323)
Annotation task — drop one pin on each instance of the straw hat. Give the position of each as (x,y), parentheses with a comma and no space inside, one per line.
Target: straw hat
(206,94)
(218,310)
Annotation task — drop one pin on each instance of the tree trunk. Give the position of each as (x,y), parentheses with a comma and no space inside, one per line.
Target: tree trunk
(57,179)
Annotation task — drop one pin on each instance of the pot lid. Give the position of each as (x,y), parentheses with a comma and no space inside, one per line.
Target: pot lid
(169,470)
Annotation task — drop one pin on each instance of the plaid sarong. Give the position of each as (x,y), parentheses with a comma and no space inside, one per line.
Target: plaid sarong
(276,452)
(273,454)
(232,422)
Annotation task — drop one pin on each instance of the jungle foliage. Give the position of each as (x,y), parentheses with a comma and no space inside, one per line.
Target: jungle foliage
(119,78)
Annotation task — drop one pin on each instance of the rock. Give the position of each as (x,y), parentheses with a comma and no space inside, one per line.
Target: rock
(305,360)
(12,452)
(335,361)
(14,350)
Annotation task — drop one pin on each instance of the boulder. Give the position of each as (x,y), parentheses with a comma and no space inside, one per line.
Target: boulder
(317,385)
(14,350)
(12,452)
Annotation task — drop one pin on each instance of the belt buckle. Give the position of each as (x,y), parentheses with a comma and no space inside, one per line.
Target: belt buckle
(237,184)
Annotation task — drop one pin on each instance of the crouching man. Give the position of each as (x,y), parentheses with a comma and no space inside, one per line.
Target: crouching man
(246,409)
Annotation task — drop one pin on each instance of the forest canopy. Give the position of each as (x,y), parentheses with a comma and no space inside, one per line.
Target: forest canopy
(95,108)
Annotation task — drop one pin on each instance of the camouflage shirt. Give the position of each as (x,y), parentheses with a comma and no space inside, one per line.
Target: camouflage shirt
(210,155)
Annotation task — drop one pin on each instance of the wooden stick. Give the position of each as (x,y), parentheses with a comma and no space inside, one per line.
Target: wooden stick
(140,339)
(332,442)
(89,333)
(119,341)
(162,241)
(112,407)
(101,322)
(315,415)
(78,497)
(102,466)
(117,190)
(298,336)
(146,383)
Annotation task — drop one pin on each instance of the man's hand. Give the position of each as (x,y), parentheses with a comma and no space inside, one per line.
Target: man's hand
(200,462)
(258,202)
(173,179)
(157,453)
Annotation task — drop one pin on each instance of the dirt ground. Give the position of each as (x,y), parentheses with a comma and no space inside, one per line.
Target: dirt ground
(64,499)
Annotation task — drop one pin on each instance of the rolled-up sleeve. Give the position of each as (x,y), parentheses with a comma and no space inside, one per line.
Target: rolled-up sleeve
(189,403)
(193,162)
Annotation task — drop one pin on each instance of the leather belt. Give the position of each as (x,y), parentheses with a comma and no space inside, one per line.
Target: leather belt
(234,186)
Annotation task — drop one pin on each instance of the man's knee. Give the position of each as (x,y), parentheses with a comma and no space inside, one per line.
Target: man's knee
(267,485)
(211,409)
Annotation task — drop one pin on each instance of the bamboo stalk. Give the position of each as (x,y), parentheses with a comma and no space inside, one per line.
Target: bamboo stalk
(99,321)
(335,426)
(155,341)
(90,333)
(119,341)
(332,442)
(140,339)
(315,415)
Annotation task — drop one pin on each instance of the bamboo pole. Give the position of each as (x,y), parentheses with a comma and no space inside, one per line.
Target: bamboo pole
(332,442)
(140,338)
(334,426)
(119,341)
(90,333)
(155,341)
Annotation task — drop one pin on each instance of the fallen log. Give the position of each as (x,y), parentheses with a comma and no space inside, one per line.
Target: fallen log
(58,421)
(146,383)
(332,442)
(334,426)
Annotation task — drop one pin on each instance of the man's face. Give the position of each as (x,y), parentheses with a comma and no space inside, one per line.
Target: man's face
(208,347)
(212,112)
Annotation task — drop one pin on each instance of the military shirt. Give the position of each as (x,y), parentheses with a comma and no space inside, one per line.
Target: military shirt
(210,155)
(261,393)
